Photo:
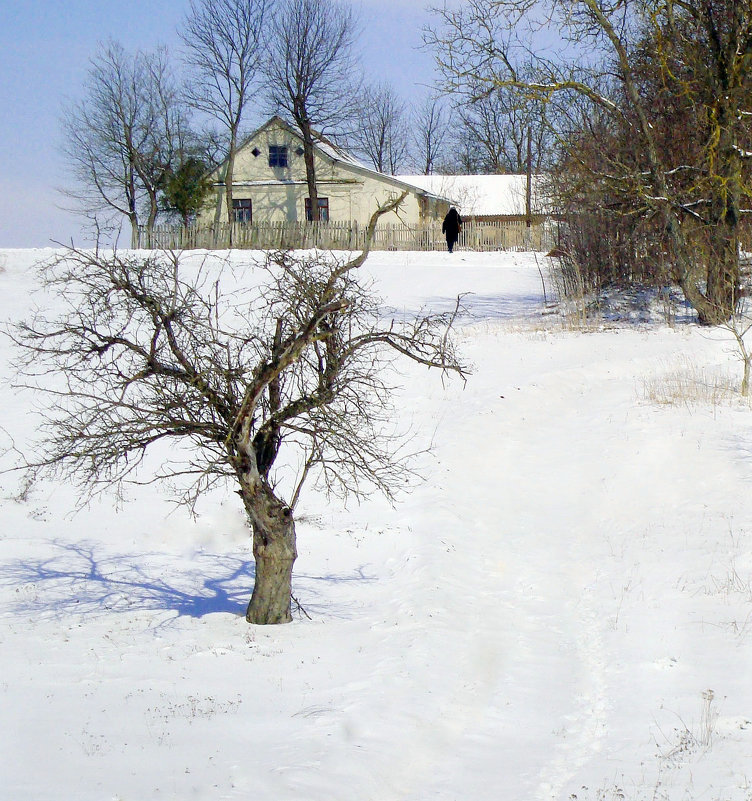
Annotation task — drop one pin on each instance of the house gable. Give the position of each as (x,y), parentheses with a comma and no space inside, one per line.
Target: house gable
(269,178)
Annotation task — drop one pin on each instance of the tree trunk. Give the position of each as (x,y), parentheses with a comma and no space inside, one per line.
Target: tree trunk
(228,191)
(151,220)
(723,277)
(310,166)
(134,231)
(274,550)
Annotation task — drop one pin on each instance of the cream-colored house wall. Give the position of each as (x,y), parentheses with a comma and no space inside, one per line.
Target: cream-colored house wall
(278,193)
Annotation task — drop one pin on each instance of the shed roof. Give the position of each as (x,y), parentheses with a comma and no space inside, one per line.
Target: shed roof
(483,195)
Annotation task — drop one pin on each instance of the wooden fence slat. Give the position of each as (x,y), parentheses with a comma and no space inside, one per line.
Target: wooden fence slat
(475,235)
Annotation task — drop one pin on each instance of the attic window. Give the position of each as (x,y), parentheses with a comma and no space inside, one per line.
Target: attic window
(299,151)
(277,155)
(256,152)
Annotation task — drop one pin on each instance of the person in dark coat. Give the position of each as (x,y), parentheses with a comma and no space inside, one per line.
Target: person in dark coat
(451,227)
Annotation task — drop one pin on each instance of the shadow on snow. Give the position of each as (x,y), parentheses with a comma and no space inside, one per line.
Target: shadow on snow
(476,308)
(81,579)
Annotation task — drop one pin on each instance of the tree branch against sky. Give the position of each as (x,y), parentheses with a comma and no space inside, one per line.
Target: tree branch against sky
(383,131)
(34,90)
(224,41)
(311,72)
(122,136)
(431,134)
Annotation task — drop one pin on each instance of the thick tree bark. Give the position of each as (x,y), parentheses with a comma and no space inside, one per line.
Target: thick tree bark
(722,291)
(721,245)
(275,555)
(274,550)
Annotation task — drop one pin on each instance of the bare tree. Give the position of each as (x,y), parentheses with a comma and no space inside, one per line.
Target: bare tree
(498,130)
(700,50)
(311,72)
(152,350)
(122,137)
(431,138)
(224,41)
(382,133)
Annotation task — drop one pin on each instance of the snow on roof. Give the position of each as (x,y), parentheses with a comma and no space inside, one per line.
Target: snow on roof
(482,195)
(337,153)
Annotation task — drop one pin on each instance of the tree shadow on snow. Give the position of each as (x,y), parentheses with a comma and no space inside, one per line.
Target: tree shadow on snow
(78,578)
(82,579)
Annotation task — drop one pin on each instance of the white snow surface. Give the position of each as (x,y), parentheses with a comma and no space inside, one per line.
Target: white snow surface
(561,610)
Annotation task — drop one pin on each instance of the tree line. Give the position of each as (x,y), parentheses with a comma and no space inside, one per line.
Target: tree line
(638,110)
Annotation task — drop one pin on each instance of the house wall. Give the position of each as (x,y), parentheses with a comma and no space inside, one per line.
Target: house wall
(278,193)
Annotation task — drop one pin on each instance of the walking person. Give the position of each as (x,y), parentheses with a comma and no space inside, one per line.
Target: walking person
(451,227)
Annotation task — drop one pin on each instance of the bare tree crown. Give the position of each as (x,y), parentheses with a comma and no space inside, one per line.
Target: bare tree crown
(159,348)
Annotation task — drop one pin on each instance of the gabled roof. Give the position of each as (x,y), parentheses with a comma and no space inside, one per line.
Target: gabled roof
(339,155)
(324,145)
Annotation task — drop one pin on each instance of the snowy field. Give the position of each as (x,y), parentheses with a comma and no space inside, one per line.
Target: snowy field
(562,610)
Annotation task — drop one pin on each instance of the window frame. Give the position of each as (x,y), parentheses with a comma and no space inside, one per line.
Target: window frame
(242,210)
(323,209)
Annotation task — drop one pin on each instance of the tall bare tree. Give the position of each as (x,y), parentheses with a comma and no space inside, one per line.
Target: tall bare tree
(382,133)
(152,350)
(224,42)
(497,131)
(431,135)
(122,137)
(486,44)
(311,72)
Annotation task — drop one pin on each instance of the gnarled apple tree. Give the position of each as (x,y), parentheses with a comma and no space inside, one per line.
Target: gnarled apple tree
(158,348)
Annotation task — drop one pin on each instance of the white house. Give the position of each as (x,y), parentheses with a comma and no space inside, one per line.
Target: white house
(269,184)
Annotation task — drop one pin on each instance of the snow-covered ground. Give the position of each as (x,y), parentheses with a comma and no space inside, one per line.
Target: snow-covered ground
(562,610)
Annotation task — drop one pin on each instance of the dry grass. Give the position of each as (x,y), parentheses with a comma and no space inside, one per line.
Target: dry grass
(691,385)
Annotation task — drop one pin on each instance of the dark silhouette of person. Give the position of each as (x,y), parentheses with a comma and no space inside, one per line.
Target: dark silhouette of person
(451,227)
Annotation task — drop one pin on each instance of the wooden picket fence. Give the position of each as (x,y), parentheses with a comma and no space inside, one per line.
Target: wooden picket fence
(475,235)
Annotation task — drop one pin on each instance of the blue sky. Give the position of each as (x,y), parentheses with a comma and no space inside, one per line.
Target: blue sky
(44,50)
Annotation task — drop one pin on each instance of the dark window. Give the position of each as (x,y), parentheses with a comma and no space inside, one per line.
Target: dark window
(323,209)
(277,155)
(242,210)
(256,152)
